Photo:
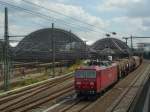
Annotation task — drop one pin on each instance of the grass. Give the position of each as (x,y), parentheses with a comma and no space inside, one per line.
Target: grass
(29,81)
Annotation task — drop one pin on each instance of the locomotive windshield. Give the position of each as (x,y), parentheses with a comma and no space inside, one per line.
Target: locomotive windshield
(85,74)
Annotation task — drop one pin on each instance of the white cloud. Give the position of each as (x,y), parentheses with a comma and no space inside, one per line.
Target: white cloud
(139,10)
(109,5)
(90,37)
(1,24)
(128,16)
(75,12)
(130,24)
(130,8)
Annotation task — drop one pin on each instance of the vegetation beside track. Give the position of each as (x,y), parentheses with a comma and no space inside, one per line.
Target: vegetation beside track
(30,79)
(77,64)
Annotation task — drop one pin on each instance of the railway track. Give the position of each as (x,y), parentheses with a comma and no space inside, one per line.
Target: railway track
(30,98)
(35,86)
(58,96)
(78,107)
(69,105)
(119,104)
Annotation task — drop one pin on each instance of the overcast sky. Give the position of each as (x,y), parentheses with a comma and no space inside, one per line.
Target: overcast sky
(125,17)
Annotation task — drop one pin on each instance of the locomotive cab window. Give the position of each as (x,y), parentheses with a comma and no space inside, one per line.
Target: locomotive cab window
(85,74)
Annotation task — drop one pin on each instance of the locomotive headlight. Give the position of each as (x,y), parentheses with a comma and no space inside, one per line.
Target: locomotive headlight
(78,83)
(92,83)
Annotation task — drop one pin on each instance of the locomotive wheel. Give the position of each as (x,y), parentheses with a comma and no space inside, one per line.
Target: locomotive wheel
(79,95)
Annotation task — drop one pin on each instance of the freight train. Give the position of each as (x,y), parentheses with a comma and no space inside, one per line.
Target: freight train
(97,76)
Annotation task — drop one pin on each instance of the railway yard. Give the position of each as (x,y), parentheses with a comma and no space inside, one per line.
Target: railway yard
(58,95)
(28,73)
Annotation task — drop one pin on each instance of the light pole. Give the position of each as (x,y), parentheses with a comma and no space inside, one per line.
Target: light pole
(5,54)
(53,50)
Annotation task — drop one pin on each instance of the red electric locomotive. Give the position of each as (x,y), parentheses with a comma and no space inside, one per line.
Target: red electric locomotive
(93,79)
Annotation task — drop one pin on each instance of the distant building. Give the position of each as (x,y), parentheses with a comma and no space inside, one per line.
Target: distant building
(144,47)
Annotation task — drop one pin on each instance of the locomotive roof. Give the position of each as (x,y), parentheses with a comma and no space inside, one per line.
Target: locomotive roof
(96,67)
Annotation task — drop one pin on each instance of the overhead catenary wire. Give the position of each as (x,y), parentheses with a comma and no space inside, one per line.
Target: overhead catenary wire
(75,19)
(28,11)
(46,17)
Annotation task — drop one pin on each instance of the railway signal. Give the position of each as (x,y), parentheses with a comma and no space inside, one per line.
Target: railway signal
(126,38)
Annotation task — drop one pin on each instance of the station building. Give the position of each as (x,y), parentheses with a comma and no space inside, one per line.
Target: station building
(38,45)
